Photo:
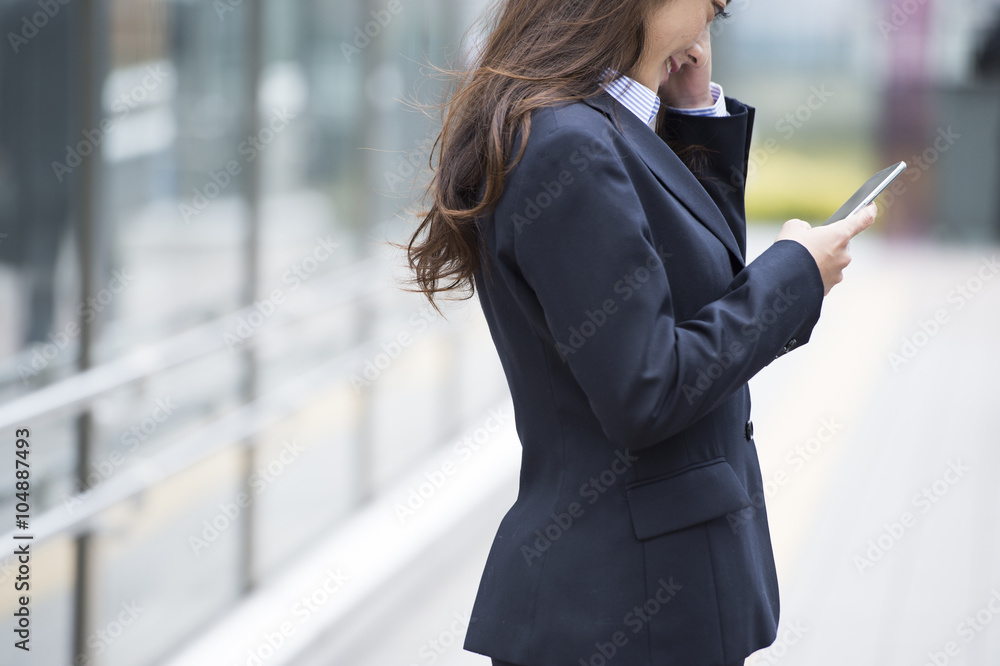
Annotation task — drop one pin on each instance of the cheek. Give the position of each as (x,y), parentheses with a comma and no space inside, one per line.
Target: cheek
(697,28)
(694,33)
(662,31)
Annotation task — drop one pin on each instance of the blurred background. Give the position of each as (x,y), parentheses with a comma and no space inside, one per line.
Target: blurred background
(249,445)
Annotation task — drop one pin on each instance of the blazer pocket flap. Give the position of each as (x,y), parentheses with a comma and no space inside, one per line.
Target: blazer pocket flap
(690,497)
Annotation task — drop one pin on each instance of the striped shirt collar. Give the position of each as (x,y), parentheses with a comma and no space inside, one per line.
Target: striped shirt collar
(635,97)
(645,104)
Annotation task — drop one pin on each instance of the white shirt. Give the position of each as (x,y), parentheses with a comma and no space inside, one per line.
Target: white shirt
(645,103)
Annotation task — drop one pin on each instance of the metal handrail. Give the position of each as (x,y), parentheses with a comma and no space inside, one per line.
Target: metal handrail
(191,449)
(190,345)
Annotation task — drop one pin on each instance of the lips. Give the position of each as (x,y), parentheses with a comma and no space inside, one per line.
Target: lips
(670,66)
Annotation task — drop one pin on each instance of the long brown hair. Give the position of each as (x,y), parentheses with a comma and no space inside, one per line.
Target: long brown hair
(538,53)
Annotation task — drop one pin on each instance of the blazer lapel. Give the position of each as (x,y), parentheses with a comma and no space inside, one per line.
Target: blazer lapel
(669,170)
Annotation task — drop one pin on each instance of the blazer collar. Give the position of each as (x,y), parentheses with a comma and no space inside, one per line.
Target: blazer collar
(668,169)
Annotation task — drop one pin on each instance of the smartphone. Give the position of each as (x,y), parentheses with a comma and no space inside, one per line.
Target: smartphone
(864,196)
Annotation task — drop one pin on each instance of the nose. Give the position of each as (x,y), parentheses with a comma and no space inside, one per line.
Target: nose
(696,56)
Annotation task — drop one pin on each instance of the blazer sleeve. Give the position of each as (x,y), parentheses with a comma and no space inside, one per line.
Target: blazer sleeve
(646,375)
(721,147)
(721,161)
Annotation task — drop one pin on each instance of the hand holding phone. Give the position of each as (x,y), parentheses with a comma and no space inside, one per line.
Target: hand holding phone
(828,244)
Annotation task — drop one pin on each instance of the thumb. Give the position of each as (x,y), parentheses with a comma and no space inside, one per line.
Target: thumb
(860,221)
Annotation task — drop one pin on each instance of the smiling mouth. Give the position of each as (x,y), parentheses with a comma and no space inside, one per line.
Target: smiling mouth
(670,66)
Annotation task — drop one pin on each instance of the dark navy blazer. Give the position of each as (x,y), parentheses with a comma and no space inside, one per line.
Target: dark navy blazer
(628,324)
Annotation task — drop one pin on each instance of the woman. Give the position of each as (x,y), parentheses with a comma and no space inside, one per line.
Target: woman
(614,282)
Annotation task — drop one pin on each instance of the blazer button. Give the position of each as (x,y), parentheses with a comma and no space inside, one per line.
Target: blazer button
(749,430)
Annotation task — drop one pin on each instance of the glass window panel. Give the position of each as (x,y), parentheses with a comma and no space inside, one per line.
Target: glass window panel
(38,338)
(175,214)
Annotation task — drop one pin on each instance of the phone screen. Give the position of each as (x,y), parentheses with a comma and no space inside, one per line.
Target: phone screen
(871,189)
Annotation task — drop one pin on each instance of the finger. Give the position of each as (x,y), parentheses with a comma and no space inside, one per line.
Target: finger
(860,221)
(793,229)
